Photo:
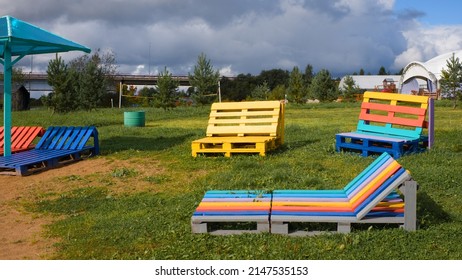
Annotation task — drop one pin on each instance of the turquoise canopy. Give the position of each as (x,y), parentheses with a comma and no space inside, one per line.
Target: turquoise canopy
(18,39)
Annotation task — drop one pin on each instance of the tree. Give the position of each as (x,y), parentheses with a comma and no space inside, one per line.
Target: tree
(238,88)
(361,72)
(273,78)
(451,79)
(308,76)
(350,89)
(91,86)
(323,87)
(148,95)
(167,90)
(93,78)
(204,80)
(382,71)
(62,99)
(296,91)
(261,92)
(81,84)
(278,93)
(130,98)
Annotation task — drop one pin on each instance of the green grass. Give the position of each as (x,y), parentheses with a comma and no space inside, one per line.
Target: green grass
(96,221)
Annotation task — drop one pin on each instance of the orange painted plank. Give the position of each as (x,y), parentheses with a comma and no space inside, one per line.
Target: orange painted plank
(420,122)
(394,108)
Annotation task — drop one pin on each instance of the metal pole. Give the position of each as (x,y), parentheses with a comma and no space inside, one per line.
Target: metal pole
(219,91)
(120,95)
(7,68)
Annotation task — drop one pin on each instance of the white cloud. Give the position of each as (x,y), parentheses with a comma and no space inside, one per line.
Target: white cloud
(425,42)
(139,70)
(227,71)
(242,36)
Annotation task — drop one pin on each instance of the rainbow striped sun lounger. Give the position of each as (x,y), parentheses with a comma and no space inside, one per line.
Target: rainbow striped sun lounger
(384,192)
(369,198)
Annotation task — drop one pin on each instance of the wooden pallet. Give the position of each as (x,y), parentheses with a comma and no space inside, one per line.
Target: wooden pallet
(242,127)
(389,122)
(58,146)
(22,138)
(220,208)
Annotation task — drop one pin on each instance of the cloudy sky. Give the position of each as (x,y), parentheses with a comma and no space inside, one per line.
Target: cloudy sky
(248,36)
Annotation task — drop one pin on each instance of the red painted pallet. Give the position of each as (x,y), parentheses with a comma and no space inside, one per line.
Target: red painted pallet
(22,137)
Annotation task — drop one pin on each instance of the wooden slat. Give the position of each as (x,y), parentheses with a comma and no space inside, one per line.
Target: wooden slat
(395,97)
(394,108)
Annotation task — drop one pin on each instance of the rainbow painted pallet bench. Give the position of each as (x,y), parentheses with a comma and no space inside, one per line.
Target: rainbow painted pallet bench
(390,122)
(22,138)
(371,197)
(233,207)
(58,146)
(382,193)
(242,127)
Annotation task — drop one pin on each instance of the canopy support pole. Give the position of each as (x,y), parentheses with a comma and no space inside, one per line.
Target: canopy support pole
(7,66)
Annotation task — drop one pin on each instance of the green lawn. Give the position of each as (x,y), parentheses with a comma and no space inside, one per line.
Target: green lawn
(96,220)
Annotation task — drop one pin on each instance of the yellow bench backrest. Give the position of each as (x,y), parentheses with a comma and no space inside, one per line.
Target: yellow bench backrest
(248,118)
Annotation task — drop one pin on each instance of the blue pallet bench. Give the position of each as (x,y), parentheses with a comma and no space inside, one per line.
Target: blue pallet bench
(58,146)
(239,206)
(390,122)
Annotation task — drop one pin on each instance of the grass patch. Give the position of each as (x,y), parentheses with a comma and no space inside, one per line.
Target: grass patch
(153,222)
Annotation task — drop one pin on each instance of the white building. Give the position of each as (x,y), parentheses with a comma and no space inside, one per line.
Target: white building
(372,82)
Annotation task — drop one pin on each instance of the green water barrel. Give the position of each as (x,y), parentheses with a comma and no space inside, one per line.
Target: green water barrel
(134,118)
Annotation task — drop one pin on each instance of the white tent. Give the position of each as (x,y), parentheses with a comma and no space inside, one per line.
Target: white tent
(425,76)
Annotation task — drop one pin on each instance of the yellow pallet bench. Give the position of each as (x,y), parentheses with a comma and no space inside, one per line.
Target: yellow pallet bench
(242,127)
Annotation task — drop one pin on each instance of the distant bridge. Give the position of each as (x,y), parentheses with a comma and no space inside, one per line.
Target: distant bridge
(38,81)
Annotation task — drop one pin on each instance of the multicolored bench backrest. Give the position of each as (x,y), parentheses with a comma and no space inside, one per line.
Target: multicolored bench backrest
(393,114)
(248,118)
